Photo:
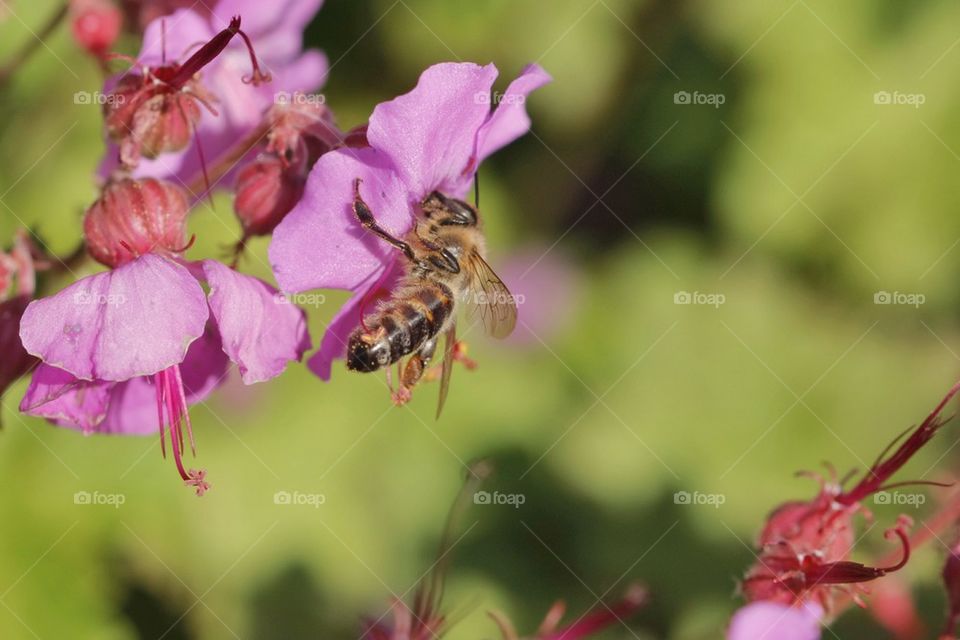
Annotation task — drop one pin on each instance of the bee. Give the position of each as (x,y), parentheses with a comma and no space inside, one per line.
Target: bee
(445,267)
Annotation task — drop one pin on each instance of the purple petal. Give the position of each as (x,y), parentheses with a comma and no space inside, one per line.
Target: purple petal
(430,133)
(275,28)
(173,38)
(334,343)
(260,329)
(61,398)
(125,408)
(133,404)
(764,620)
(510,120)
(320,243)
(131,321)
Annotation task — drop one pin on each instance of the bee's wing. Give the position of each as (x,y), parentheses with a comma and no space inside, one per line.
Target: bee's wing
(490,298)
(448,345)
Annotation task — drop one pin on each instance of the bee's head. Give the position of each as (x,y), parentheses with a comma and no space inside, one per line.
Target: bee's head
(444,211)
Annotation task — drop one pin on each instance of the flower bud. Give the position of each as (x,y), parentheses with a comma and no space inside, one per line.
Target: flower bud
(267,189)
(134,217)
(95,24)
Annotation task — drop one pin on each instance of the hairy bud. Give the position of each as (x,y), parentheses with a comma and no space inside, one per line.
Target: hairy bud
(134,217)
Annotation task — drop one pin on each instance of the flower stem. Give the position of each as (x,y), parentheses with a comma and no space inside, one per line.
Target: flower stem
(21,56)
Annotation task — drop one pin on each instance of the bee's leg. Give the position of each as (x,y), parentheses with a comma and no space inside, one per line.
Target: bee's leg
(365,216)
(413,371)
(459,354)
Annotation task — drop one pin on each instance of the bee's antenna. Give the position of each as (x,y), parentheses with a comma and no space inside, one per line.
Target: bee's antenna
(476,189)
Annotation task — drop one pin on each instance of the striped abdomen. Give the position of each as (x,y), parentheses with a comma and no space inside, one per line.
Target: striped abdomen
(400,327)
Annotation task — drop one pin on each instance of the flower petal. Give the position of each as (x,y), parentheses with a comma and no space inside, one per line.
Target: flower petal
(765,620)
(133,404)
(430,132)
(61,398)
(132,321)
(320,243)
(173,38)
(261,331)
(275,28)
(334,343)
(510,120)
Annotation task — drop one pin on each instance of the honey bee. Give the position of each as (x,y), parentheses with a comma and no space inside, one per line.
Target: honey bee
(444,268)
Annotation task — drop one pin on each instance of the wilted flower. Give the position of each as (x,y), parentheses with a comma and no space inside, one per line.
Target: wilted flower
(144,337)
(156,111)
(225,82)
(805,546)
(432,138)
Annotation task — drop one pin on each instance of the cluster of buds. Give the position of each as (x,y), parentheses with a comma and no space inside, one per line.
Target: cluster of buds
(805,546)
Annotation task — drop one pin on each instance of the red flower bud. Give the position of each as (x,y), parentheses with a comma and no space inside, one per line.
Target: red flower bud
(95,24)
(267,189)
(134,217)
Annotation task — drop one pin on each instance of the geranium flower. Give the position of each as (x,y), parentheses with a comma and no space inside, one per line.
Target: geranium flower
(127,350)
(275,30)
(432,138)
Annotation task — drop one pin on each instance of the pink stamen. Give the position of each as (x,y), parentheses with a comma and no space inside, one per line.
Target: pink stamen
(173,413)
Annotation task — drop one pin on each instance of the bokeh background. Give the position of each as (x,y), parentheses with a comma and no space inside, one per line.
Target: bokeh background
(784,187)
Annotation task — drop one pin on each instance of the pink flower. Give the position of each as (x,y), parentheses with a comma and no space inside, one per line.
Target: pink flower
(776,621)
(275,29)
(127,350)
(432,138)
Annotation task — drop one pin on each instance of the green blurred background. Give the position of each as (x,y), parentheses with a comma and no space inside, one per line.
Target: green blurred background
(797,199)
